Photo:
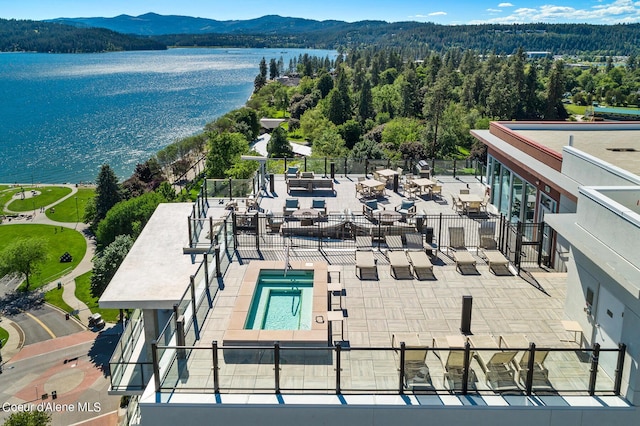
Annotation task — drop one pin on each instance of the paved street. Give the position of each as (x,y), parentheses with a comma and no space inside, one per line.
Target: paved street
(43,323)
(75,366)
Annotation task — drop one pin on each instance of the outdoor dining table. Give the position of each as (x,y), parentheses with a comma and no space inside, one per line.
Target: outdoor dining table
(423,183)
(465,199)
(373,187)
(386,174)
(388,217)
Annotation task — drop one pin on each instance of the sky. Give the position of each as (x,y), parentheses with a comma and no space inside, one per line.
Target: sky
(441,12)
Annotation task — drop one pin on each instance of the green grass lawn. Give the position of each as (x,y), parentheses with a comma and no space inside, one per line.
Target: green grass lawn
(3,187)
(48,195)
(66,210)
(6,196)
(575,109)
(83,292)
(4,335)
(58,242)
(54,297)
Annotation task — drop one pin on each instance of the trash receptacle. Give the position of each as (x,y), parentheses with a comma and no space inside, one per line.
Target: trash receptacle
(59,285)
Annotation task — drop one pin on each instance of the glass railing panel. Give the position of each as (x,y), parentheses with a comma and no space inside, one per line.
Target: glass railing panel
(130,376)
(307,370)
(605,379)
(367,369)
(562,371)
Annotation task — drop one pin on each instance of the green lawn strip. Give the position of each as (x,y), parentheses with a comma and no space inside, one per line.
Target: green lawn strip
(3,187)
(83,292)
(54,297)
(4,335)
(58,242)
(48,195)
(5,197)
(66,210)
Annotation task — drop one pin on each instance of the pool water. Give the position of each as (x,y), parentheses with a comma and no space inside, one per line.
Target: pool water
(281,302)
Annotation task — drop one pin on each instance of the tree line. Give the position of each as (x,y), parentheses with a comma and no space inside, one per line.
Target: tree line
(45,37)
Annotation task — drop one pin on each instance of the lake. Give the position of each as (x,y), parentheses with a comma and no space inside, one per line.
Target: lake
(63,116)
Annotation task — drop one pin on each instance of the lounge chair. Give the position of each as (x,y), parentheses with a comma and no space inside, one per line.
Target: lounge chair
(406,209)
(366,265)
(454,369)
(394,242)
(307,175)
(494,258)
(416,242)
(496,364)
(399,265)
(461,255)
(416,371)
(364,242)
(421,264)
(540,372)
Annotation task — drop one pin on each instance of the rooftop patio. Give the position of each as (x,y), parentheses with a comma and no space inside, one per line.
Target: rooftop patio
(380,314)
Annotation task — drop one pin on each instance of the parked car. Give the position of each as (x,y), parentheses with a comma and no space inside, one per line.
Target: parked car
(96,321)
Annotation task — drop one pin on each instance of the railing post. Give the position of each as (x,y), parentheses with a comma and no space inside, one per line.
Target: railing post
(194,307)
(518,257)
(465,372)
(217,254)
(276,364)
(594,369)
(402,360)
(454,168)
(230,190)
(540,234)
(305,164)
(440,233)
(285,165)
(325,167)
(191,242)
(257,218)
(366,166)
(216,380)
(338,367)
(345,166)
(156,367)
(530,367)
(622,350)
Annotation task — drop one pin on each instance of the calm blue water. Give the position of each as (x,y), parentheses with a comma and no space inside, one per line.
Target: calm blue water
(62,116)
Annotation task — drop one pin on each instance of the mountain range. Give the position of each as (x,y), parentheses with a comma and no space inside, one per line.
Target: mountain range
(153,24)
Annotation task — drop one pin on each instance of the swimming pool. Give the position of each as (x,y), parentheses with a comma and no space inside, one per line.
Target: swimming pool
(281,301)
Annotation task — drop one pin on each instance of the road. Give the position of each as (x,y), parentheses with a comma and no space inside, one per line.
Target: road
(74,366)
(43,323)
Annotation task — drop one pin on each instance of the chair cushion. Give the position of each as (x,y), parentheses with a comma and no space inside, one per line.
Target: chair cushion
(406,205)
(292,170)
(372,204)
(317,204)
(291,203)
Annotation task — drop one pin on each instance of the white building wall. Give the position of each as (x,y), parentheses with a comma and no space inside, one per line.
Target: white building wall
(380,415)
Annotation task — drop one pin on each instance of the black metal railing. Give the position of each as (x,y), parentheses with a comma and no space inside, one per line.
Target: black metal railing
(564,371)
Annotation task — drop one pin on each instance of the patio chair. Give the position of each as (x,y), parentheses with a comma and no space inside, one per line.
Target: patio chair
(454,369)
(290,206)
(307,175)
(421,264)
(411,189)
(540,372)
(435,190)
(360,190)
(496,364)
(366,265)
(464,191)
(456,204)
(415,242)
(370,210)
(416,370)
(406,209)
(473,207)
(399,265)
(494,257)
(394,242)
(319,205)
(274,223)
(292,172)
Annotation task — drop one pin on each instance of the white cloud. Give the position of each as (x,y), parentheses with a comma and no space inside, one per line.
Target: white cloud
(505,5)
(616,11)
(437,13)
(494,10)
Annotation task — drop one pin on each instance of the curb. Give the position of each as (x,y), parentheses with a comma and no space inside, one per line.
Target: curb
(71,317)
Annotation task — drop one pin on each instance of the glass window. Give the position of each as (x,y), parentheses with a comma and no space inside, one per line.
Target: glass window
(495,182)
(516,200)
(505,193)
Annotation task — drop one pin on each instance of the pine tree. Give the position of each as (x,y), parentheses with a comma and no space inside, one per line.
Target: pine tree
(107,192)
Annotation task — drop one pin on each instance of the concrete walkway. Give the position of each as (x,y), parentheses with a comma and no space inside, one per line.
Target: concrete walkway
(16,336)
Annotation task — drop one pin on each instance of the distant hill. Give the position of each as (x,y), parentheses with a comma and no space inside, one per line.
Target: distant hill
(37,36)
(152,24)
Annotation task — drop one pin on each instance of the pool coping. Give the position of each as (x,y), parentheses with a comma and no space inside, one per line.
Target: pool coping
(237,335)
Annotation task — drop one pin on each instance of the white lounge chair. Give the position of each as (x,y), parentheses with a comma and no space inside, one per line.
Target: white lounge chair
(421,264)
(400,267)
(366,265)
